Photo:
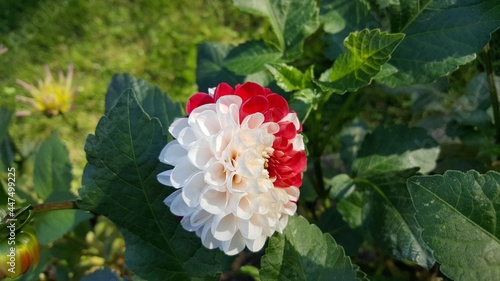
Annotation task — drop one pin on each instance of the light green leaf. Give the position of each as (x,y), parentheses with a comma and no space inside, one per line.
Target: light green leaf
(52,170)
(120,183)
(155,102)
(341,186)
(287,77)
(387,215)
(366,52)
(459,215)
(291,20)
(251,57)
(395,148)
(302,252)
(440,36)
(210,69)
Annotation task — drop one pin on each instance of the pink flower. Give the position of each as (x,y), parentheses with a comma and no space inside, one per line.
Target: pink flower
(238,161)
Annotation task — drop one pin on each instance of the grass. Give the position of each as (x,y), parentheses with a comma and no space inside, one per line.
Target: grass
(152,40)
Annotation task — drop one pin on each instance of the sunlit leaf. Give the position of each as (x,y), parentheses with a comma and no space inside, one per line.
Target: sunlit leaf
(366,52)
(251,57)
(459,215)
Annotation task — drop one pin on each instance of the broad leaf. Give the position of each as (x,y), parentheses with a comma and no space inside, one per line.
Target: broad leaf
(459,214)
(291,20)
(395,148)
(104,274)
(6,153)
(388,218)
(440,36)
(155,102)
(120,183)
(52,170)
(210,69)
(351,138)
(366,52)
(251,57)
(302,252)
(303,102)
(331,222)
(5,117)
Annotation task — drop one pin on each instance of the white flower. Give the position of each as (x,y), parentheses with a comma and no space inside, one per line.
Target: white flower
(224,191)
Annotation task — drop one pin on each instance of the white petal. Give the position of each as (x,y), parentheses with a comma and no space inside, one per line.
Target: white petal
(249,229)
(187,137)
(256,244)
(208,123)
(177,126)
(179,208)
(186,224)
(171,197)
(200,154)
(164,177)
(182,172)
(224,227)
(213,201)
(220,142)
(241,207)
(199,217)
(253,121)
(290,208)
(216,174)
(293,193)
(298,142)
(282,223)
(237,184)
(235,245)
(207,239)
(193,189)
(172,153)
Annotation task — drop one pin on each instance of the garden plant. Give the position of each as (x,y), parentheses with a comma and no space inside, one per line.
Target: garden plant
(349,140)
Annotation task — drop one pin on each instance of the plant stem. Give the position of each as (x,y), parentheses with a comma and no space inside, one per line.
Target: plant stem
(490,76)
(55,206)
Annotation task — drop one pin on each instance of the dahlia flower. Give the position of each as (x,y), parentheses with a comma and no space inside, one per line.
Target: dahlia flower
(237,166)
(50,97)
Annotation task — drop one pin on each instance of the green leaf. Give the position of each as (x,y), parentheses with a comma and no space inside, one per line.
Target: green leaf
(340,186)
(331,222)
(52,170)
(459,215)
(251,57)
(5,118)
(366,52)
(6,153)
(287,77)
(303,102)
(440,36)
(210,69)
(351,138)
(120,183)
(341,17)
(387,215)
(155,102)
(395,148)
(291,20)
(302,252)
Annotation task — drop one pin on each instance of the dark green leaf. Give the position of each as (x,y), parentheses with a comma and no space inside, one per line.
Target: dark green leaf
(341,186)
(459,214)
(331,222)
(395,148)
(341,17)
(120,183)
(440,36)
(210,70)
(302,252)
(351,209)
(366,52)
(6,153)
(251,57)
(351,138)
(5,117)
(52,170)
(291,20)
(388,218)
(155,102)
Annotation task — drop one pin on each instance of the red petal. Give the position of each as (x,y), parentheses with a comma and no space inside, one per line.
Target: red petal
(223,89)
(287,130)
(279,106)
(248,90)
(253,105)
(197,100)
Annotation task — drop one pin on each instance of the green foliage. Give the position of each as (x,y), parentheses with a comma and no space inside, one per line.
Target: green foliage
(458,213)
(120,182)
(366,52)
(302,252)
